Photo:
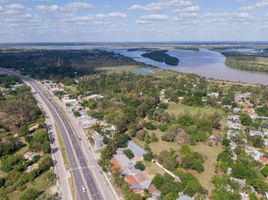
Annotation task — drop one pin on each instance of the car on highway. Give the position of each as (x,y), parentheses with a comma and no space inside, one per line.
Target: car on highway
(83,189)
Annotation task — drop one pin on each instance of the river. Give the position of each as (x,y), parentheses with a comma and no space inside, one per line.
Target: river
(205,62)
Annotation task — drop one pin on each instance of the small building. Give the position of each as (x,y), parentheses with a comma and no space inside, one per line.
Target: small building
(86,121)
(214,140)
(98,140)
(214,94)
(95,97)
(255,133)
(30,155)
(185,197)
(32,167)
(234,118)
(232,134)
(137,151)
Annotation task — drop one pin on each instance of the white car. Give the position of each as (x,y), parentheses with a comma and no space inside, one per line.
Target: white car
(83,189)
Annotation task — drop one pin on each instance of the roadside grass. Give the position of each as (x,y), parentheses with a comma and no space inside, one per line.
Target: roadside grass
(62,149)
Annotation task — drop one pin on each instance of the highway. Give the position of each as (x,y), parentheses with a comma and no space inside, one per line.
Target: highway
(79,168)
(83,179)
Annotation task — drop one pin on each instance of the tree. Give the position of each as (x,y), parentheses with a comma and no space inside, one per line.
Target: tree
(264,171)
(154,137)
(257,141)
(121,140)
(245,119)
(158,181)
(148,156)
(139,165)
(168,159)
(222,194)
(129,153)
(149,125)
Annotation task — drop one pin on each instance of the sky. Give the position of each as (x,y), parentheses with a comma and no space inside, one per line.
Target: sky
(133,20)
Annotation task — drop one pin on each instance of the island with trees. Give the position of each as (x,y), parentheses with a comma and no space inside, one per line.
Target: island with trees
(162,56)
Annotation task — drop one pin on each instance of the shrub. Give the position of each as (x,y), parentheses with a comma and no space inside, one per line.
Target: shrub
(264,171)
(149,125)
(30,194)
(139,165)
(129,153)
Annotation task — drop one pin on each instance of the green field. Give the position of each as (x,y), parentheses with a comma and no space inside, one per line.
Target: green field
(180,109)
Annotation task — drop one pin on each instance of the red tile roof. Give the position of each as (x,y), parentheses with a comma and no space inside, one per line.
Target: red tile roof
(115,165)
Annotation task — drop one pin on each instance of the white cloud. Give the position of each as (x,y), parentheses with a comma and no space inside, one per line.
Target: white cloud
(48,8)
(14,8)
(155,17)
(259,5)
(162,5)
(112,15)
(78,6)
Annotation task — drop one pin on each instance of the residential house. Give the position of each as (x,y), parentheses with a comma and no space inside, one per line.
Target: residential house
(255,133)
(98,140)
(185,197)
(86,121)
(95,97)
(30,155)
(232,134)
(136,150)
(214,94)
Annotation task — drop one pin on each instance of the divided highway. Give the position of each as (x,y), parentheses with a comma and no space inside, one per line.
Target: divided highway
(84,182)
(85,185)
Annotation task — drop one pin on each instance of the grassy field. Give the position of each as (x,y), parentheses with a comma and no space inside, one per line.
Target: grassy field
(119,69)
(179,109)
(210,154)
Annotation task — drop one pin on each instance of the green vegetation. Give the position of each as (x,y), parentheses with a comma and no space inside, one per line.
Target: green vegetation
(60,63)
(139,165)
(19,179)
(162,56)
(129,153)
(246,61)
(169,187)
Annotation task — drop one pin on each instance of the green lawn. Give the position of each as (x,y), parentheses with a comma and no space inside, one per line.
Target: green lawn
(180,109)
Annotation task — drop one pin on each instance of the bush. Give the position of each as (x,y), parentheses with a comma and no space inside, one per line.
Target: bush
(148,156)
(129,153)
(149,125)
(163,106)
(264,171)
(245,119)
(163,127)
(139,165)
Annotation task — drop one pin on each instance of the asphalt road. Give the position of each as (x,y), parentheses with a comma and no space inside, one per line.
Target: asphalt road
(81,174)
(80,170)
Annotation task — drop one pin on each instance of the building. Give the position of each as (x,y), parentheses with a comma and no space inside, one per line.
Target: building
(255,133)
(214,94)
(136,150)
(184,197)
(94,97)
(30,155)
(86,121)
(98,140)
(232,134)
